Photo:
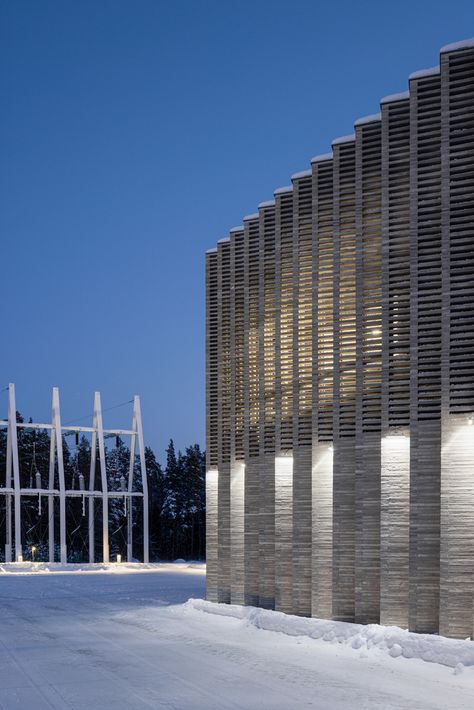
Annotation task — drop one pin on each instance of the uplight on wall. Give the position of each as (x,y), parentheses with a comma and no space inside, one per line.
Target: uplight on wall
(212,476)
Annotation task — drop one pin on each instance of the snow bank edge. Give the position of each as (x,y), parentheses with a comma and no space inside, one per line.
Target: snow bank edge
(392,640)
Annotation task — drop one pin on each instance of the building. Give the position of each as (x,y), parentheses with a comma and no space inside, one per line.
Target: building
(340,375)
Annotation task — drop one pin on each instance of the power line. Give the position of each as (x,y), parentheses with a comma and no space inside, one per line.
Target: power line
(89,416)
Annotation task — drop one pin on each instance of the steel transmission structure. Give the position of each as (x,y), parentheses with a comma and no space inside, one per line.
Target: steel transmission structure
(87,491)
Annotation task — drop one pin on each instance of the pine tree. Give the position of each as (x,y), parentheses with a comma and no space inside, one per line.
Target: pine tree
(156,495)
(194,476)
(173,507)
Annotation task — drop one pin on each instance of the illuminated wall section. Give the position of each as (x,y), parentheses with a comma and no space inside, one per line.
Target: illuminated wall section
(368,367)
(237,470)
(284,533)
(457,452)
(251,408)
(425,390)
(344,378)
(284,399)
(267,405)
(323,385)
(211,423)
(395,463)
(302,390)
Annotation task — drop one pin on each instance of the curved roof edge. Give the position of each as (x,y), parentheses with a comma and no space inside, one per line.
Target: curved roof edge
(321,157)
(248,217)
(392,98)
(267,203)
(302,174)
(344,139)
(463,44)
(368,119)
(282,190)
(433,71)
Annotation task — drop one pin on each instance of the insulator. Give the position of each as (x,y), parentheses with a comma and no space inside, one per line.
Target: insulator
(38,479)
(81,482)
(123,483)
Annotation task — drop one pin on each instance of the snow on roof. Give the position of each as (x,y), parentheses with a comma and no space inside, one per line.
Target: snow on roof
(424,72)
(343,139)
(368,119)
(463,44)
(224,241)
(302,174)
(395,97)
(268,203)
(237,229)
(282,190)
(320,158)
(212,251)
(248,217)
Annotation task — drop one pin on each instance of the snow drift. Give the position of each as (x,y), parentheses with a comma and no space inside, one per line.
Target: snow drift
(392,640)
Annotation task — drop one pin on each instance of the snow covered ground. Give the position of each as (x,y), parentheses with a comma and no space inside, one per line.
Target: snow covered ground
(90,639)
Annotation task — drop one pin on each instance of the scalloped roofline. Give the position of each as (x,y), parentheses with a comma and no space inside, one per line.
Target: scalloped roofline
(392,98)
(320,158)
(282,190)
(249,217)
(455,46)
(421,73)
(344,139)
(373,118)
(302,174)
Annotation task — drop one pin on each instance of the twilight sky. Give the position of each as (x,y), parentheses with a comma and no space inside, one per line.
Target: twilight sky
(133,135)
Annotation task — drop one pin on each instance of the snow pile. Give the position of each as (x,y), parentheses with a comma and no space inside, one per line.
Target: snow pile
(111,567)
(390,640)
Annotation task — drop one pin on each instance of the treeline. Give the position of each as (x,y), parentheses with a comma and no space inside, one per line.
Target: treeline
(176,499)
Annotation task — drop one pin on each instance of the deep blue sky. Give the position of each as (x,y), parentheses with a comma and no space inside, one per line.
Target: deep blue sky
(133,135)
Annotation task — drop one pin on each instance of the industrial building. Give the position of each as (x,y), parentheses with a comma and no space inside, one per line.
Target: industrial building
(340,375)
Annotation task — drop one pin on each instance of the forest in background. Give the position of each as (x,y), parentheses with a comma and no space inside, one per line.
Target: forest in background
(176,499)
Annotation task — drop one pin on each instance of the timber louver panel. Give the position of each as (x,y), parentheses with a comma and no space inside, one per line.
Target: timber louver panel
(224,433)
(457,404)
(211,360)
(425,394)
(267,404)
(302,390)
(238,343)
(211,425)
(461,231)
(398,261)
(251,408)
(368,369)
(344,380)
(323,387)
(283,399)
(323,343)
